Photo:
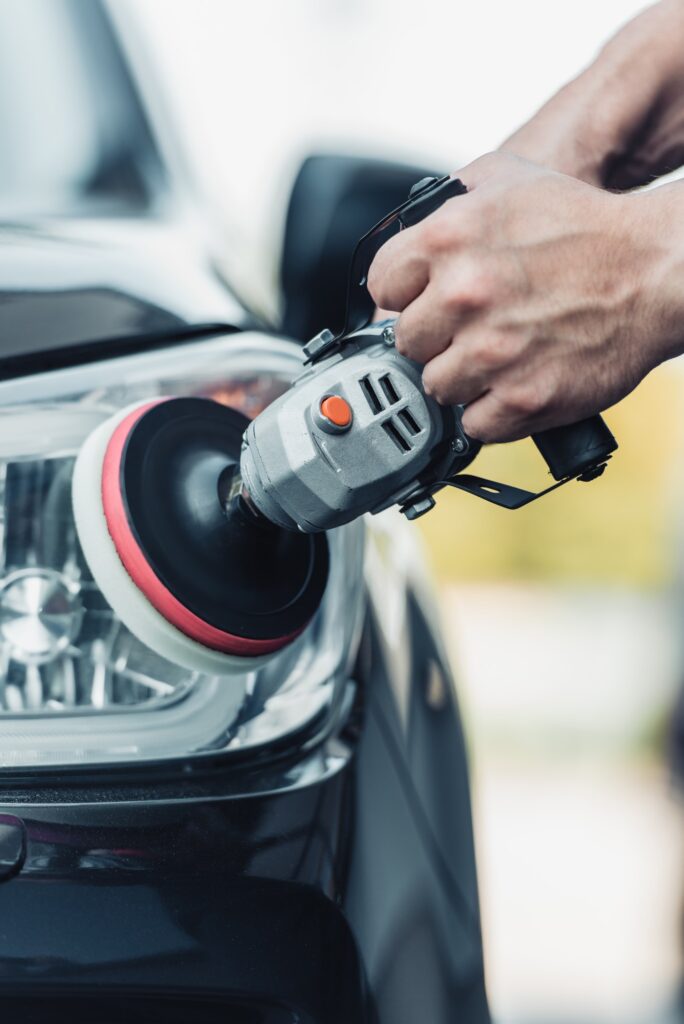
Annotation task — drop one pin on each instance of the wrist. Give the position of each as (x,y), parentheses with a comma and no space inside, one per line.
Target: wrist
(579,127)
(591,122)
(631,75)
(561,135)
(656,224)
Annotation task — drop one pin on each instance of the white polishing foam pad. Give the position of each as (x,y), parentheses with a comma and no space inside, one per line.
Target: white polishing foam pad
(126,599)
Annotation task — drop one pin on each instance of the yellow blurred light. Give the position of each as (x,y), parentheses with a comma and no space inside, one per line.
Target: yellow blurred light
(618,529)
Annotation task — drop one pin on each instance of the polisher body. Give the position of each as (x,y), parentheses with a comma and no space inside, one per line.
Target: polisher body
(355,433)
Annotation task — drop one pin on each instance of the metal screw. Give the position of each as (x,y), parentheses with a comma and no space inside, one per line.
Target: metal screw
(458,444)
(388,335)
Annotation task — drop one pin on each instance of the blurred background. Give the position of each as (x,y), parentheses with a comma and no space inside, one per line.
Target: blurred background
(564,620)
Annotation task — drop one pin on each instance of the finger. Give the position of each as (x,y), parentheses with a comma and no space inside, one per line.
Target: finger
(488,419)
(455,297)
(426,327)
(453,377)
(399,272)
(500,416)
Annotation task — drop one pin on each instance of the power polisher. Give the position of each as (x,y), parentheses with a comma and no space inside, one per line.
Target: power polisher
(206,532)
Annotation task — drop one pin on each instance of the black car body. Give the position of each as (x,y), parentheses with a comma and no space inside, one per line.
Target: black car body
(320,871)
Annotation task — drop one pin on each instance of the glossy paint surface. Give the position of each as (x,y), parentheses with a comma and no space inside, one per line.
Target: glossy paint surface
(102,239)
(342,892)
(68,288)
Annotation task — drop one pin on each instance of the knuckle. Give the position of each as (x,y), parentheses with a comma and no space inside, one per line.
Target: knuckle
(493,352)
(439,232)
(431,386)
(483,431)
(481,283)
(530,399)
(522,402)
(474,289)
(402,343)
(454,300)
(434,385)
(479,426)
(375,283)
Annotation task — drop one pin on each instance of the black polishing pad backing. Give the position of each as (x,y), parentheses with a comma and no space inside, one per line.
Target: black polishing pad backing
(239,573)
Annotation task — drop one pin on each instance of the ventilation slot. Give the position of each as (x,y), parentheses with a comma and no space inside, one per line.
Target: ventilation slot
(389,389)
(371,397)
(409,422)
(395,436)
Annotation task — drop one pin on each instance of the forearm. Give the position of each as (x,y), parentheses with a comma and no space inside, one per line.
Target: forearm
(587,126)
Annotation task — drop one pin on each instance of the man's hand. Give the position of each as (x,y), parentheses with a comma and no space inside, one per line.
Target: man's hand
(621,122)
(536,299)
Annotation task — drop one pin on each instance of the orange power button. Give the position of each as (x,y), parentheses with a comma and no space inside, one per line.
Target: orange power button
(336,410)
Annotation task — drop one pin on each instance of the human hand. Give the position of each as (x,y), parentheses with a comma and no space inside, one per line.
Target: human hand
(535,299)
(621,122)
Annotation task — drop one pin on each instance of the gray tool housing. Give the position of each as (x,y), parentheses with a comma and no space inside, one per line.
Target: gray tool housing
(303,472)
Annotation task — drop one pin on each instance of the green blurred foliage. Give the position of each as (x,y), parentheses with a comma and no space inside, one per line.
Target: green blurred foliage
(620,528)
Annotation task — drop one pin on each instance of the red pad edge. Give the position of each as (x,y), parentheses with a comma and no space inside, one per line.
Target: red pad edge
(145,579)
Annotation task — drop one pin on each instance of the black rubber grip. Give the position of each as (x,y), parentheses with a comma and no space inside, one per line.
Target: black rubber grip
(568,451)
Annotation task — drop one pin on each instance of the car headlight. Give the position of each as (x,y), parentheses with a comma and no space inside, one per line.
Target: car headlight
(75,685)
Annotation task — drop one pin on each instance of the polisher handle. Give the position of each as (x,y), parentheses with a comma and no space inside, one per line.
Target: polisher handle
(577,449)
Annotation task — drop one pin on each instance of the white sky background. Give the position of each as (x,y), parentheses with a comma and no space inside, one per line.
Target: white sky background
(254,85)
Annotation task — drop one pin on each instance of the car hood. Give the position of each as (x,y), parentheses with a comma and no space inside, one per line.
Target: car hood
(66,284)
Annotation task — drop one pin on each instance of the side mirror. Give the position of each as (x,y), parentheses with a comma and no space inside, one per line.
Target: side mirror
(334,201)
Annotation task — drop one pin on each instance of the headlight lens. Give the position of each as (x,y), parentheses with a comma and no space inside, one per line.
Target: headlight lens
(75,685)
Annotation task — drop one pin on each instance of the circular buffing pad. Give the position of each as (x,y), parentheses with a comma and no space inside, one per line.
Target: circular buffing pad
(203,582)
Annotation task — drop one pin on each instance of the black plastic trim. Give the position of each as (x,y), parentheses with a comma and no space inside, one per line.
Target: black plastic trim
(46,361)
